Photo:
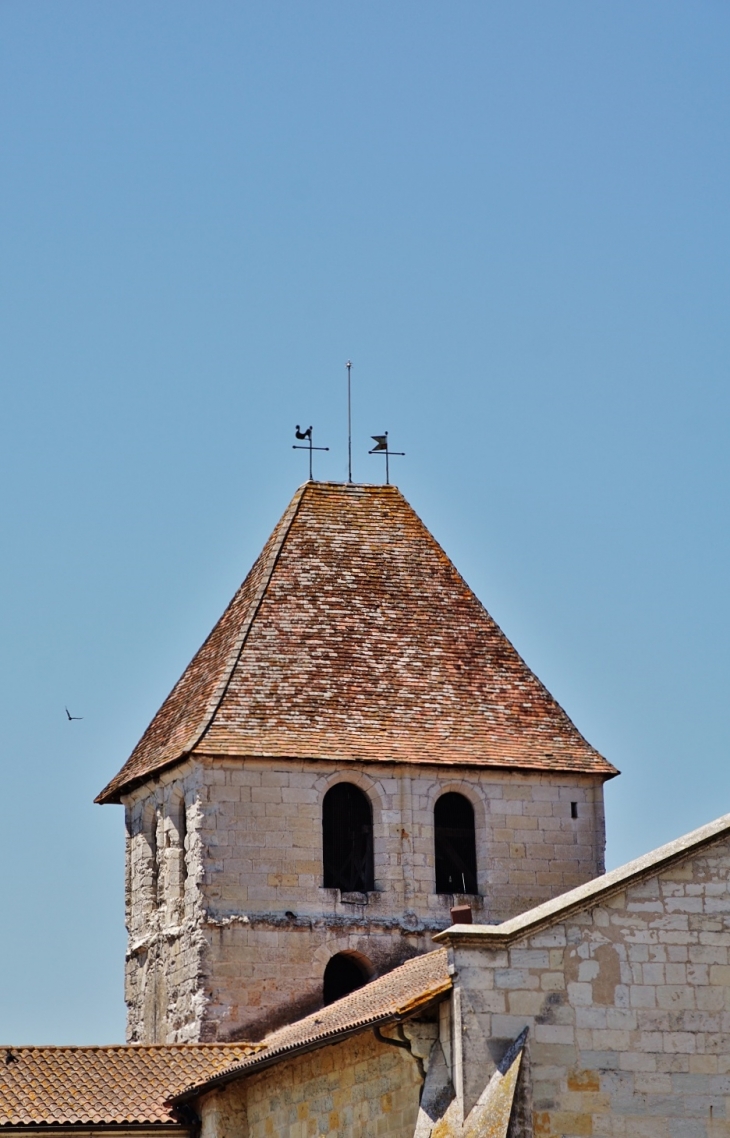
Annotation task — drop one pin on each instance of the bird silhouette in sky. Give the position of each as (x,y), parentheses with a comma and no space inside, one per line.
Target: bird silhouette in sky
(70,716)
(303,434)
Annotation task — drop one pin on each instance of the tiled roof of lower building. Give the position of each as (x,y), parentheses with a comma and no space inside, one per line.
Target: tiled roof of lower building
(104,1085)
(393,997)
(354,638)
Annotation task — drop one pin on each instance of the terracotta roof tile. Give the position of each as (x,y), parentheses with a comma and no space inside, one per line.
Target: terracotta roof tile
(104,1085)
(395,996)
(354,638)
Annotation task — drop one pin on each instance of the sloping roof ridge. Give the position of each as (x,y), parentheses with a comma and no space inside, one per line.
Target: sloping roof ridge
(588,895)
(256,602)
(111,790)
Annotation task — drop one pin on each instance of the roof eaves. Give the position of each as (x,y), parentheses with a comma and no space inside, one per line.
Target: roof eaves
(111,795)
(588,895)
(169,1126)
(274,1055)
(603,768)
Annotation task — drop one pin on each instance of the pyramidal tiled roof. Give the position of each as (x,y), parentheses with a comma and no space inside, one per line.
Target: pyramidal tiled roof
(354,638)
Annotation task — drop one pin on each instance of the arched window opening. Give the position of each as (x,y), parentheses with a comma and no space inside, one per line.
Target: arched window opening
(344,974)
(456,853)
(347,839)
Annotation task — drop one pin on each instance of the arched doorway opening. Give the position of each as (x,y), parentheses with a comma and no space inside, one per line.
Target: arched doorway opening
(345,973)
(455,844)
(347,839)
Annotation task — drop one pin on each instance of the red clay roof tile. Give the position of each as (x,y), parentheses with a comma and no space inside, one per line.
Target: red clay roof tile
(354,638)
(135,1083)
(105,1085)
(395,996)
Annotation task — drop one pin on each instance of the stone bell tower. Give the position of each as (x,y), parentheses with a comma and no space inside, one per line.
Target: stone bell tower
(356,747)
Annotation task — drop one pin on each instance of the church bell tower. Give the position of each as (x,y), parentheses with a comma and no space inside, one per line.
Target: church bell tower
(354,749)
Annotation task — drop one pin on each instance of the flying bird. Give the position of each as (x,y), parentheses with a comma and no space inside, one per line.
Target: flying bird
(70,716)
(304,434)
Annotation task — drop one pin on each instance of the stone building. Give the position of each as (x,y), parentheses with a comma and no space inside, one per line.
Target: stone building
(355,740)
(355,749)
(603,1012)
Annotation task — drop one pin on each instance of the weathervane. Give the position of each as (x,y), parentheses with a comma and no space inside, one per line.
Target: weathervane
(381,447)
(300,434)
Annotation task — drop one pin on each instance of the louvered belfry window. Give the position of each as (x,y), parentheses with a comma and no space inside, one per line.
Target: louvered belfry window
(347,831)
(456,853)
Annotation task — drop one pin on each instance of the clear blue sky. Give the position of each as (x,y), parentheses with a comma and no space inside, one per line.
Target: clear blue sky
(513,218)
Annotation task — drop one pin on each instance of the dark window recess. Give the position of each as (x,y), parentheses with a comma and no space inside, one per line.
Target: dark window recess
(456,853)
(574,809)
(342,975)
(347,833)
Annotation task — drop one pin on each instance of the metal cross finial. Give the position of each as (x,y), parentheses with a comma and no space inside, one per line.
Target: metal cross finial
(381,447)
(300,434)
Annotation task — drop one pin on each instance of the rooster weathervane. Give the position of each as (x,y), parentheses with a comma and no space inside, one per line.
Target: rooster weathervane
(300,434)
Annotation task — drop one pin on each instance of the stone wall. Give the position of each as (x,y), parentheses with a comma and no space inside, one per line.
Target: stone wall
(263,832)
(358,1087)
(229,927)
(628,1006)
(165,909)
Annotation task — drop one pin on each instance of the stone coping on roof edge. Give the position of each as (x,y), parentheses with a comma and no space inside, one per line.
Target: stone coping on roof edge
(585,896)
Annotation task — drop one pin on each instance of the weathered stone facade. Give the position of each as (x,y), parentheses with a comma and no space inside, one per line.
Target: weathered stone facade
(359,1087)
(230,929)
(352,653)
(295,751)
(627,1004)
(603,1013)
